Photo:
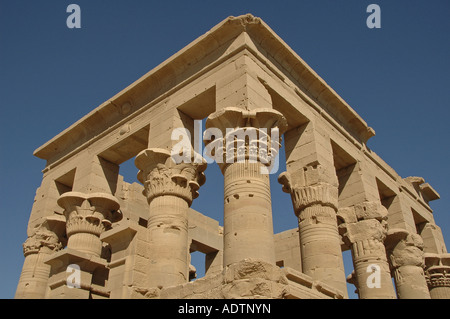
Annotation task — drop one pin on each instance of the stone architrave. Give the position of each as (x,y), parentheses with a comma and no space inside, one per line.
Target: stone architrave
(364,230)
(170,189)
(405,253)
(248,150)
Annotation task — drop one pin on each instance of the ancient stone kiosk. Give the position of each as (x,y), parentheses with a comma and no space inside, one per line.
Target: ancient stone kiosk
(91,234)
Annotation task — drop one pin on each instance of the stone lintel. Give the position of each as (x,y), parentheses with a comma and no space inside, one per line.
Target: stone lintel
(429,192)
(87,264)
(63,258)
(419,184)
(118,233)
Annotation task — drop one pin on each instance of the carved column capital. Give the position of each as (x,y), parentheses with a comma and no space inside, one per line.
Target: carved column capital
(234,117)
(88,216)
(363,228)
(42,239)
(364,222)
(162,176)
(46,236)
(404,248)
(323,194)
(363,211)
(89,213)
(245,135)
(405,253)
(244,144)
(314,203)
(437,271)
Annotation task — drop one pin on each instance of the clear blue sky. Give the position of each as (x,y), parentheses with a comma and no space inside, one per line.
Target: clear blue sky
(397,78)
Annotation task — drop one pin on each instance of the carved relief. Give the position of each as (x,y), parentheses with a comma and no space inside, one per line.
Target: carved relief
(366,224)
(405,253)
(305,196)
(404,248)
(437,271)
(89,213)
(162,176)
(246,135)
(363,228)
(40,239)
(315,204)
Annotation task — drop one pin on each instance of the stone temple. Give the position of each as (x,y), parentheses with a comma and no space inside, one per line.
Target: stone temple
(93,235)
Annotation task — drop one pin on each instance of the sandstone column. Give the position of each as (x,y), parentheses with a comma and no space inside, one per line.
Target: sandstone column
(311,180)
(316,207)
(437,274)
(88,215)
(45,236)
(364,230)
(405,252)
(170,189)
(246,148)
(35,273)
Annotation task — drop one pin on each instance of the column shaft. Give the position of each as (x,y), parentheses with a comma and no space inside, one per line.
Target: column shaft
(364,229)
(86,242)
(248,145)
(35,273)
(320,243)
(168,234)
(405,252)
(410,283)
(248,227)
(372,270)
(440,292)
(34,277)
(320,246)
(170,188)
